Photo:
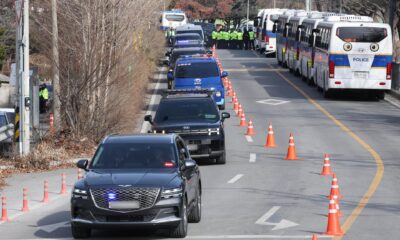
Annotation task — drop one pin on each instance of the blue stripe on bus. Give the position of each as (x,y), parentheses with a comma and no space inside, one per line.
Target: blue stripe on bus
(270,33)
(342,60)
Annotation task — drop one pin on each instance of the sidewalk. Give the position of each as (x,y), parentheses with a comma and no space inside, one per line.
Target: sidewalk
(34,182)
(395,93)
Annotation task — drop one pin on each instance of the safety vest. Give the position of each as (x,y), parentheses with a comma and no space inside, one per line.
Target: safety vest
(240,36)
(251,35)
(220,35)
(234,35)
(226,36)
(45,94)
(214,35)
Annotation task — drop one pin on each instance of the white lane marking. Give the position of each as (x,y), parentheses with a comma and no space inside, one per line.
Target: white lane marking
(273,102)
(257,237)
(235,178)
(53,227)
(253,157)
(249,138)
(277,226)
(146,125)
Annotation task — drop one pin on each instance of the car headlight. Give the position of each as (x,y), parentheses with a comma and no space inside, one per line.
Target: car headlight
(218,94)
(79,193)
(212,131)
(171,193)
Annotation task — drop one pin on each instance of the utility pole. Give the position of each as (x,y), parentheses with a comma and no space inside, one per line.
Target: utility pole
(22,57)
(56,70)
(308,5)
(274,3)
(340,6)
(247,24)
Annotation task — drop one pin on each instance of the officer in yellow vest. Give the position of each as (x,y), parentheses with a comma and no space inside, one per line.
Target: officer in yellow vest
(220,37)
(233,39)
(43,98)
(214,37)
(240,39)
(251,40)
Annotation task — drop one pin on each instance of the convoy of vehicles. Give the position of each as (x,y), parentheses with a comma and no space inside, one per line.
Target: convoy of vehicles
(151,180)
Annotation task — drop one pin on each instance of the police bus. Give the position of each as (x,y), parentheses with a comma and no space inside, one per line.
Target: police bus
(353,52)
(293,43)
(265,39)
(172,19)
(307,39)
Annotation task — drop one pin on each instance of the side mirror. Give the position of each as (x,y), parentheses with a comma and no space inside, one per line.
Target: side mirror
(149,118)
(224,74)
(170,76)
(190,164)
(209,52)
(225,115)
(82,164)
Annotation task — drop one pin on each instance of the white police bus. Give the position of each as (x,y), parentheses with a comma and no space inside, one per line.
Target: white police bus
(293,43)
(265,39)
(307,40)
(172,19)
(353,52)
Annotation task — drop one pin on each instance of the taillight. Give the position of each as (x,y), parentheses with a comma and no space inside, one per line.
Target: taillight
(389,71)
(266,38)
(169,164)
(331,69)
(298,54)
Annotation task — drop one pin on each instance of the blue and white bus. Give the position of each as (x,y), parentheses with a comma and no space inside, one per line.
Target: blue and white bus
(293,45)
(353,52)
(172,19)
(265,39)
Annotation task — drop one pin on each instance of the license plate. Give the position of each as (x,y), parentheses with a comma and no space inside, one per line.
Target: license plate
(361,75)
(193,147)
(124,205)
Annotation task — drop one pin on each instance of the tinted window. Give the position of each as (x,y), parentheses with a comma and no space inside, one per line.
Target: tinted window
(197,70)
(361,34)
(184,111)
(191,31)
(3,120)
(132,155)
(187,37)
(174,17)
(176,55)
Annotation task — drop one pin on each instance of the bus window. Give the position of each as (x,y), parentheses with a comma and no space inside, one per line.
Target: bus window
(174,17)
(361,34)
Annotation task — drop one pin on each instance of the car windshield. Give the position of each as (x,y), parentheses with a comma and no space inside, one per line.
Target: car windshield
(197,70)
(187,37)
(133,155)
(361,34)
(200,34)
(203,110)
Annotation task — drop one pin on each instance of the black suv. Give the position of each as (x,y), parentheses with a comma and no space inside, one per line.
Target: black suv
(137,180)
(193,115)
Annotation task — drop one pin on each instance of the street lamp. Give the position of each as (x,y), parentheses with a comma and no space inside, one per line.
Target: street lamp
(247,24)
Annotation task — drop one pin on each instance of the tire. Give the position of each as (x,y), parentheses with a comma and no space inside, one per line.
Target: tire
(195,213)
(380,95)
(326,93)
(181,230)
(80,232)
(221,159)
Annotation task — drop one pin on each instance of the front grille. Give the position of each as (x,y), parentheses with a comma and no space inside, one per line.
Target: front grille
(145,196)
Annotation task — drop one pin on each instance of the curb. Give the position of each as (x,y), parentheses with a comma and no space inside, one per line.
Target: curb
(395,93)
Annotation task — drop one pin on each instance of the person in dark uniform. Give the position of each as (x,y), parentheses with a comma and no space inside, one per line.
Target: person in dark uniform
(246,39)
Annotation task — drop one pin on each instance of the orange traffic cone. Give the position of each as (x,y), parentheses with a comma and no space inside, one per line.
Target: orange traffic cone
(314,237)
(291,154)
(270,138)
(63,184)
(333,227)
(25,207)
(335,188)
(239,112)
(236,106)
(4,214)
(242,120)
(338,207)
(326,170)
(46,192)
(250,129)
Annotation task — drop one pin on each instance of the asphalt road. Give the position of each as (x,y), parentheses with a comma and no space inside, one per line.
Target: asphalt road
(257,194)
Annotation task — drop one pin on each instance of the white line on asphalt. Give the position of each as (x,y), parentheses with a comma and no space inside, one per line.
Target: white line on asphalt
(145,125)
(249,138)
(253,157)
(257,237)
(235,178)
(267,215)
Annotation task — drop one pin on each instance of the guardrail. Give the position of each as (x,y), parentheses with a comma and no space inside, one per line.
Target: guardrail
(6,132)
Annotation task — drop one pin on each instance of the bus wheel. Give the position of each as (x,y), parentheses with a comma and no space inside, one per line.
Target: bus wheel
(380,95)
(325,92)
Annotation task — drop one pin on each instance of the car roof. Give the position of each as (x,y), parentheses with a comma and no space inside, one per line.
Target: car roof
(186,96)
(190,59)
(189,27)
(191,49)
(141,138)
(186,34)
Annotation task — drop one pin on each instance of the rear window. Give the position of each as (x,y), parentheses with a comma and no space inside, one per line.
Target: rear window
(202,110)
(361,34)
(174,17)
(197,70)
(200,33)
(176,55)
(188,37)
(133,155)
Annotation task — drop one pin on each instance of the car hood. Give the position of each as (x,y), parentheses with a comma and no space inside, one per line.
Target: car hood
(200,82)
(138,178)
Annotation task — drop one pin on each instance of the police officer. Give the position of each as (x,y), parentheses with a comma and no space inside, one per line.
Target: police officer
(251,40)
(227,38)
(240,39)
(246,39)
(233,37)
(43,98)
(214,37)
(220,39)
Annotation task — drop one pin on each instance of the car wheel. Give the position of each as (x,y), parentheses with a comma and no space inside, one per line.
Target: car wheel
(195,213)
(80,232)
(181,230)
(221,159)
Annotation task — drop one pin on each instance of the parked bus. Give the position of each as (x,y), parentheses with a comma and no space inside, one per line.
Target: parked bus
(293,43)
(265,39)
(353,52)
(172,19)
